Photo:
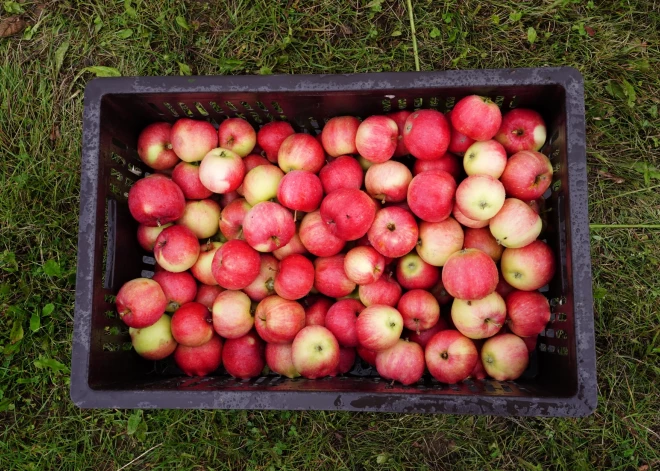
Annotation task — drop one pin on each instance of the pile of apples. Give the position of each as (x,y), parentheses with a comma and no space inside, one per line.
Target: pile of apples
(300,252)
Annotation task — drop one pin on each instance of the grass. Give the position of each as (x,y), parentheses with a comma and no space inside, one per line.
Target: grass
(43,71)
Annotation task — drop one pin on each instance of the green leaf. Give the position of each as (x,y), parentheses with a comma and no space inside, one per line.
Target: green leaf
(98,24)
(629,91)
(495,19)
(35,321)
(60,53)
(51,267)
(265,70)
(184,69)
(124,33)
(447,17)
(515,16)
(181,21)
(13,7)
(396,33)
(102,71)
(531,35)
(382,458)
(51,364)
(130,11)
(654,111)
(435,33)
(8,261)
(133,422)
(614,89)
(16,334)
(48,309)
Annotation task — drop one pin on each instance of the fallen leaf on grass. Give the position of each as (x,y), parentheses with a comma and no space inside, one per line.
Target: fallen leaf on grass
(11,26)
(609,176)
(345,29)
(644,467)
(590,31)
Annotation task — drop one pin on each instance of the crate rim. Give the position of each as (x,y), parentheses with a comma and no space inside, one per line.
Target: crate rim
(582,403)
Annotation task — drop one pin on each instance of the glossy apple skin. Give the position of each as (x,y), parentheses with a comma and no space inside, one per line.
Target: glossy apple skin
(235,265)
(521,129)
(264,284)
(480,197)
(516,224)
(140,302)
(528,311)
(206,294)
(403,362)
(348,213)
(483,240)
(186,175)
(419,309)
(295,277)
(379,327)
(301,152)
(193,139)
(261,183)
(448,163)
(202,217)
(485,158)
(439,240)
(388,182)
(315,352)
(146,235)
(338,135)
(237,135)
(316,308)
(154,146)
(377,138)
(431,195)
(367,355)
(232,218)
(278,320)
(384,291)
(201,270)
(271,136)
(154,342)
(316,237)
(232,315)
(450,356)
(400,118)
(527,176)
(244,357)
(364,265)
(176,249)
(393,232)
(268,226)
(192,325)
(179,288)
(477,117)
(341,319)
(466,221)
(528,268)
(422,337)
(155,200)
(479,319)
(412,272)
(300,191)
(222,171)
(330,278)
(279,359)
(505,357)
(458,143)
(343,172)
(426,134)
(470,274)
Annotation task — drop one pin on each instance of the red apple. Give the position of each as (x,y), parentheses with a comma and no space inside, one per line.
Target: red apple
(315,235)
(469,274)
(477,117)
(393,232)
(341,319)
(348,213)
(379,327)
(201,217)
(154,342)
(529,312)
(295,246)
(300,190)
(232,315)
(537,205)
(316,308)
(423,337)
(431,195)
(528,268)
(450,356)
(485,158)
(154,146)
(346,360)
(140,302)
(505,357)
(440,294)
(384,290)
(338,135)
(400,118)
(244,357)
(367,355)
(448,163)
(458,143)
(155,200)
(478,372)
(516,224)
(377,138)
(503,288)
(466,221)
(279,359)
(192,139)
(227,198)
(364,265)
(176,249)
(426,134)
(402,362)
(438,240)
(147,235)
(254,161)
(186,175)
(480,197)
(521,129)
(232,218)
(268,226)
(301,152)
(222,171)
(279,320)
(271,136)
(412,272)
(479,319)
(237,135)
(264,284)
(261,183)
(483,240)
(206,295)
(530,343)
(419,309)
(200,360)
(528,174)
(343,172)
(315,352)
(295,277)
(179,288)
(191,325)
(201,270)
(329,277)
(388,182)
(235,265)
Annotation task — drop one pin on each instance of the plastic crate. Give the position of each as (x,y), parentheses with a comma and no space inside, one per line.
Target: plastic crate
(106,373)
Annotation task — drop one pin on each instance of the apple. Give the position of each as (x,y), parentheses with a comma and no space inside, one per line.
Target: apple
(261,183)
(316,237)
(422,337)
(232,314)
(201,270)
(338,135)
(528,174)
(348,213)
(179,288)
(458,143)
(227,198)
(426,134)
(431,195)
(530,343)
(237,135)
(537,205)
(270,137)
(222,171)
(402,362)
(505,357)
(346,360)
(470,274)
(394,232)
(478,372)
(363,265)
(377,138)
(503,288)
(419,309)
(341,319)
(479,319)
(529,312)
(516,224)
(448,163)
(140,302)
(193,139)
(388,182)
(440,294)
(521,129)
(367,355)
(147,235)
(528,268)
(480,197)
(155,200)
(176,249)
(154,342)
(384,291)
(268,226)
(316,308)
(466,221)
(295,277)
(244,357)
(254,161)
(300,190)
(483,240)
(279,320)
(364,163)
(379,327)
(279,358)
(438,240)
(315,352)
(412,272)
(232,218)
(200,360)
(329,277)
(343,172)
(191,325)
(235,265)
(154,146)
(301,152)
(450,356)
(206,295)
(264,284)
(477,117)
(186,176)
(201,217)
(485,158)
(295,246)
(400,118)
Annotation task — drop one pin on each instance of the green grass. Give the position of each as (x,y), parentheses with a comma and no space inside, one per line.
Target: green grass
(43,72)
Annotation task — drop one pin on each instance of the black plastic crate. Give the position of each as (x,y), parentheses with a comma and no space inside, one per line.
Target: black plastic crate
(106,373)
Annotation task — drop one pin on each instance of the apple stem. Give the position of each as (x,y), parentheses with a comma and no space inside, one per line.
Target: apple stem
(158,222)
